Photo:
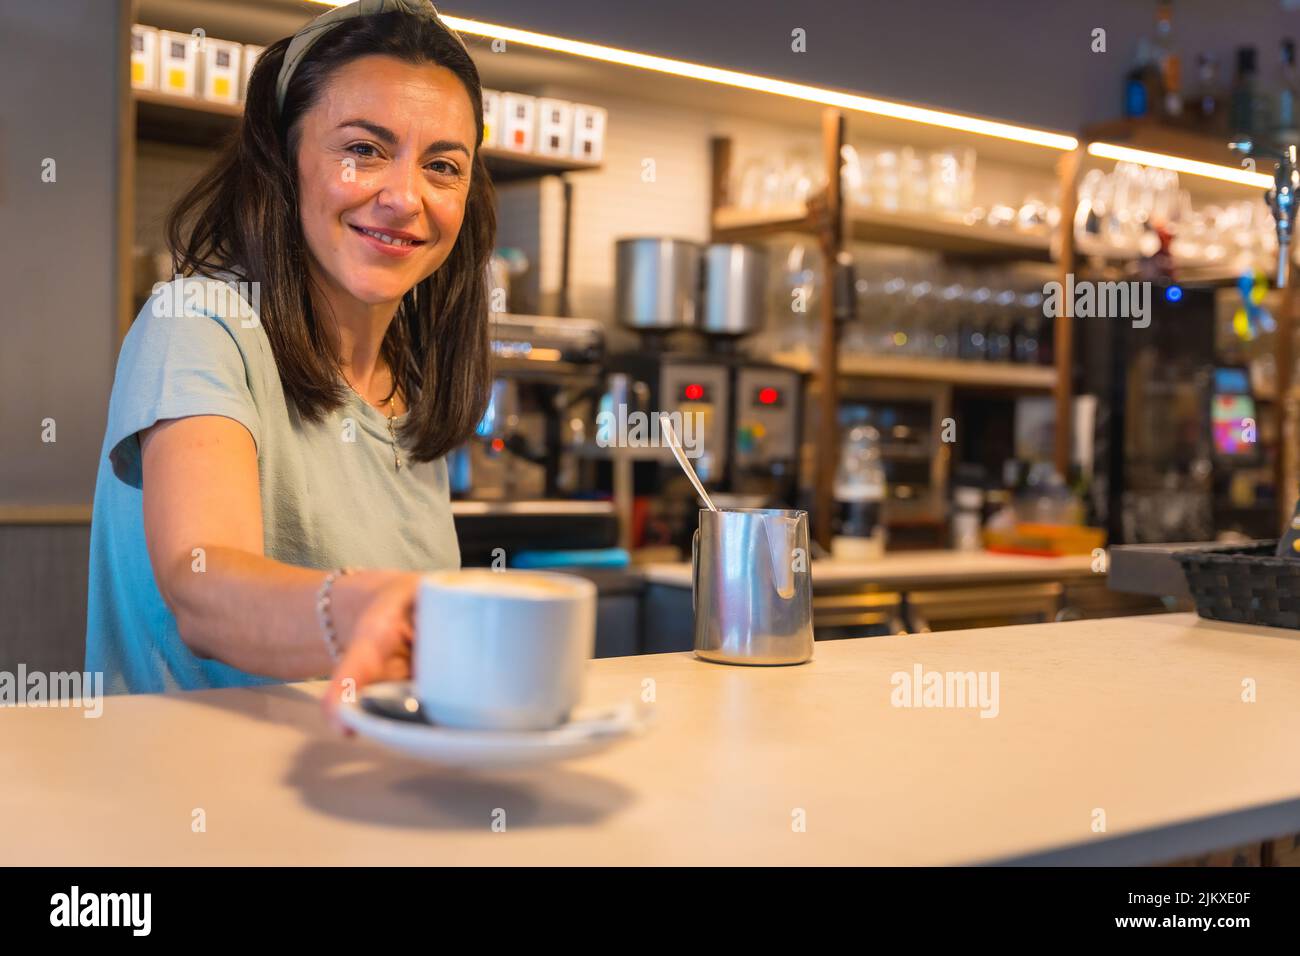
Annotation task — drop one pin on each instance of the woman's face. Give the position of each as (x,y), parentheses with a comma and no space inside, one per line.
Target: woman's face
(384,160)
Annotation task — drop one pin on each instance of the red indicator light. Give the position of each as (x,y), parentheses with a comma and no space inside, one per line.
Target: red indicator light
(694,392)
(768,396)
(498,444)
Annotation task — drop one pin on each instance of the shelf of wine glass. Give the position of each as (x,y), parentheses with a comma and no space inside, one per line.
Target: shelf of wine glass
(166,118)
(1199,269)
(869,224)
(970,374)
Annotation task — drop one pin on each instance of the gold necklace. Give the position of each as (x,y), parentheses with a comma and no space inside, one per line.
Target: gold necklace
(392,417)
(392,427)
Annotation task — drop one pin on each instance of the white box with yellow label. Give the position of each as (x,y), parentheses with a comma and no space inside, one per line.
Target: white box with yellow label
(491,118)
(221,72)
(178,63)
(144,57)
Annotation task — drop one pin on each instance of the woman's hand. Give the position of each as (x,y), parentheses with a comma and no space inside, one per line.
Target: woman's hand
(378,647)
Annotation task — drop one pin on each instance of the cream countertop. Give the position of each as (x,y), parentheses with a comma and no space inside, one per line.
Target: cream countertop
(1141,718)
(915,567)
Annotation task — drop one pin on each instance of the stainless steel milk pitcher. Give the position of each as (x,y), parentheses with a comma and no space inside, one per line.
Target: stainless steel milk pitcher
(751,587)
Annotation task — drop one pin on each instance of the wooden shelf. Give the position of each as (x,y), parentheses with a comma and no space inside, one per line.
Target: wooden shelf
(961,373)
(45,514)
(865,224)
(163,117)
(166,118)
(732,224)
(544,370)
(507,166)
(946,235)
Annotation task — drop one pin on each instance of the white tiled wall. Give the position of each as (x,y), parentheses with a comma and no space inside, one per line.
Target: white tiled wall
(618,201)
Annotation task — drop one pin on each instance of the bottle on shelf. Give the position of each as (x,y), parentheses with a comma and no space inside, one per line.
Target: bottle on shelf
(968,499)
(1285,91)
(1142,83)
(1046,339)
(972,333)
(1209,108)
(1046,499)
(895,315)
(860,495)
(921,303)
(1245,94)
(1027,329)
(947,332)
(1168,62)
(1000,328)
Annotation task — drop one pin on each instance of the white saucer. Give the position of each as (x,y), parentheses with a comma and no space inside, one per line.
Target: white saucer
(389,714)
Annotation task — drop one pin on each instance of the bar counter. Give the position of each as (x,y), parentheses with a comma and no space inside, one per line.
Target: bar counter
(1141,719)
(915,568)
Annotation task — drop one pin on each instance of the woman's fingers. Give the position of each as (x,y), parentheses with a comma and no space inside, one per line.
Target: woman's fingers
(379,648)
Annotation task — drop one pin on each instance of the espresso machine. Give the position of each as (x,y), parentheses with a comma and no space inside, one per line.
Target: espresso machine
(543,369)
(518,484)
(686,308)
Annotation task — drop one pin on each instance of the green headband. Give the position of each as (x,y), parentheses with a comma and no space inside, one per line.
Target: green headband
(305,38)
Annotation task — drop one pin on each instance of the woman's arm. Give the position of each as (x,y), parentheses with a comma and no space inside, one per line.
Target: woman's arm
(231,602)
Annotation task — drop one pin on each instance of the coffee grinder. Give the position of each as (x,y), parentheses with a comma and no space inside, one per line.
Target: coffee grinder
(690,307)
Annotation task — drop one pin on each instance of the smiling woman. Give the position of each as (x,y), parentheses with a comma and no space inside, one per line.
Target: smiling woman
(258,451)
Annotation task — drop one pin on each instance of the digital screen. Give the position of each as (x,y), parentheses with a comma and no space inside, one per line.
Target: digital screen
(1232,380)
(1232,418)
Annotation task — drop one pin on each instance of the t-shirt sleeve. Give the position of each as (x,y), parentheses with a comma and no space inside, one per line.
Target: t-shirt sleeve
(175,363)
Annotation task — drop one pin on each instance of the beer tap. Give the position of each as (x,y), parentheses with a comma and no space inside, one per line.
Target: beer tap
(1281,198)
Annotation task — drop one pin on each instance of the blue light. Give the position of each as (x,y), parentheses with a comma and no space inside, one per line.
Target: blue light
(1174,293)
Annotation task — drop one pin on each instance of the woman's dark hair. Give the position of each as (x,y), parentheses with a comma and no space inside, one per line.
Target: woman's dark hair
(243,217)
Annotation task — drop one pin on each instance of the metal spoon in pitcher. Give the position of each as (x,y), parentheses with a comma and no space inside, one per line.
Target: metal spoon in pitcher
(680,454)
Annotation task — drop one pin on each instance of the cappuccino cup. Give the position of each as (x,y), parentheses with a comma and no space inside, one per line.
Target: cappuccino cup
(502,650)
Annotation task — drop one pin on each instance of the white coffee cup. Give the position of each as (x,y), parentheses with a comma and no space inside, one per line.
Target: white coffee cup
(502,650)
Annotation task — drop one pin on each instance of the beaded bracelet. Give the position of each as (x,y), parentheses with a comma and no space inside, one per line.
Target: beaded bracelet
(324,615)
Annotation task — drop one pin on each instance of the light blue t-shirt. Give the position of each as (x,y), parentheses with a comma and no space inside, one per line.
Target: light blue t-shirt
(331,492)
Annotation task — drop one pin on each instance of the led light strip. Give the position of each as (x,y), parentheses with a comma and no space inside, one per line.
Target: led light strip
(764,84)
(849,101)
(1229,174)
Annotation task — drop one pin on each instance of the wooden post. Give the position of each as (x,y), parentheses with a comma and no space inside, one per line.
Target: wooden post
(566,243)
(124,197)
(720,181)
(830,234)
(1063,337)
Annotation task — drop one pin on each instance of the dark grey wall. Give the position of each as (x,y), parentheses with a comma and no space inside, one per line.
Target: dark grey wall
(1025,60)
(43,593)
(58,72)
